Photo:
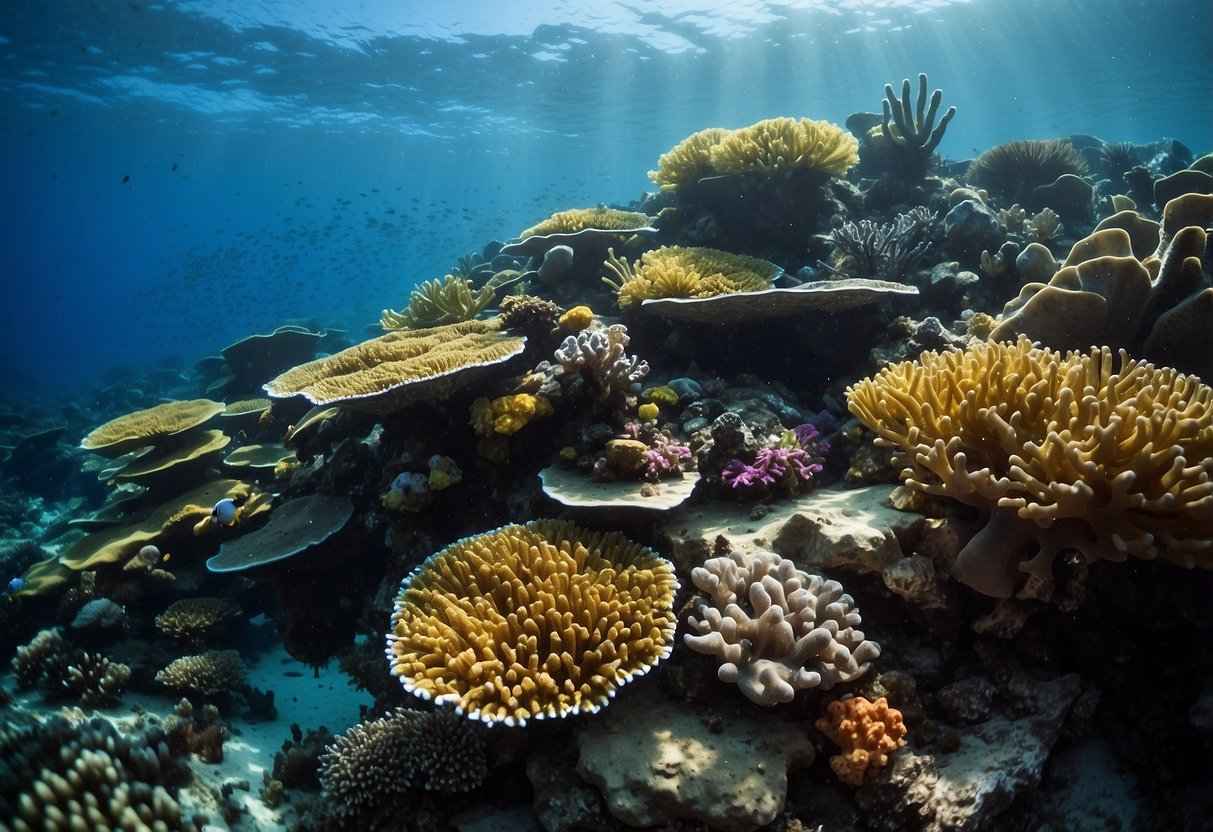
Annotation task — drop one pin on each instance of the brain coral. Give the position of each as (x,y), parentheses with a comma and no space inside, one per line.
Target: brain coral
(686,272)
(776,629)
(387,373)
(1058,451)
(780,145)
(532,621)
(145,427)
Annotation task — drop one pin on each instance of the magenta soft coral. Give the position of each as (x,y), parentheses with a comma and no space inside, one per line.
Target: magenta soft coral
(794,461)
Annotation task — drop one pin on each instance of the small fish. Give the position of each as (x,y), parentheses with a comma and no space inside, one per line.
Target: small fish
(126,179)
(14,586)
(224,512)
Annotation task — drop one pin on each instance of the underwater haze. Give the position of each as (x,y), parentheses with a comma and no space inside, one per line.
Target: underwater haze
(179,175)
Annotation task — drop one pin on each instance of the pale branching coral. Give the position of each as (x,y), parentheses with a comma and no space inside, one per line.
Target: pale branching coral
(56,775)
(207,673)
(579,219)
(867,732)
(599,355)
(776,629)
(369,771)
(686,272)
(437,302)
(1059,451)
(781,145)
(883,252)
(195,619)
(33,660)
(688,161)
(94,679)
(532,621)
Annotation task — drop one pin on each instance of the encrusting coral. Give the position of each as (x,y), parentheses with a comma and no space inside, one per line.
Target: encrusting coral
(686,272)
(1059,451)
(776,629)
(867,732)
(436,302)
(532,621)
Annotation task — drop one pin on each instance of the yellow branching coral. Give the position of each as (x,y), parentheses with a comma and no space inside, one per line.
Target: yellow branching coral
(779,145)
(688,161)
(686,272)
(532,621)
(1061,451)
(507,415)
(579,219)
(437,302)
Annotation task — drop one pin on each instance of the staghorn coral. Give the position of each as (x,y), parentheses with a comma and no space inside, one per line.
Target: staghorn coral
(867,732)
(387,373)
(883,252)
(776,629)
(914,133)
(783,145)
(579,219)
(436,302)
(686,272)
(208,673)
(146,427)
(56,775)
(688,161)
(195,619)
(599,356)
(1012,170)
(532,621)
(369,773)
(94,679)
(1058,451)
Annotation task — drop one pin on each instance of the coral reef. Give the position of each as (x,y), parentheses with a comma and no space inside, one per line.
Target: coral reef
(531,621)
(387,373)
(688,161)
(146,427)
(579,219)
(867,732)
(436,302)
(529,314)
(1058,451)
(776,629)
(914,133)
(686,272)
(883,252)
(598,355)
(784,145)
(208,673)
(195,620)
(1012,170)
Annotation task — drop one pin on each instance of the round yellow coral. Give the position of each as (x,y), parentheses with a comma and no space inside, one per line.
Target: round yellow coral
(779,145)
(532,621)
(577,318)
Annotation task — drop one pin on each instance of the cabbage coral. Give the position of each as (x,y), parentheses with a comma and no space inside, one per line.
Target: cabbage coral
(1058,451)
(780,145)
(686,272)
(532,621)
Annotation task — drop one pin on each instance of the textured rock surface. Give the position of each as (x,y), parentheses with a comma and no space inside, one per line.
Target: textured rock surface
(853,529)
(657,761)
(997,762)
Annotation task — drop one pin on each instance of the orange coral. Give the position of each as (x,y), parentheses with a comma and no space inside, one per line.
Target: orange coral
(866,731)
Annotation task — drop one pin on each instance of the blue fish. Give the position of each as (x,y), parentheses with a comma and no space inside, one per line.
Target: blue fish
(224,512)
(14,586)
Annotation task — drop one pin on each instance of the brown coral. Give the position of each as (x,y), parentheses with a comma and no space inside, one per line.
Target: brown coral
(686,272)
(1059,451)
(195,619)
(145,427)
(867,732)
(1012,170)
(532,621)
(207,673)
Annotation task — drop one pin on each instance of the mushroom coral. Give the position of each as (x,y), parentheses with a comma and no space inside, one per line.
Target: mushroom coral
(532,621)
(1058,451)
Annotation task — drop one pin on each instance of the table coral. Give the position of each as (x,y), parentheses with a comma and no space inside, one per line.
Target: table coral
(532,621)
(686,272)
(775,628)
(146,427)
(867,732)
(1058,451)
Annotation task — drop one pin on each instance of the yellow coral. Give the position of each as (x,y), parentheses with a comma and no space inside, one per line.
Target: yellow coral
(507,415)
(662,395)
(146,427)
(867,732)
(532,621)
(1062,451)
(437,302)
(688,161)
(780,145)
(577,318)
(648,412)
(579,219)
(686,272)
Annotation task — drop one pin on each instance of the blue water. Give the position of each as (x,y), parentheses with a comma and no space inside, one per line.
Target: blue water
(179,175)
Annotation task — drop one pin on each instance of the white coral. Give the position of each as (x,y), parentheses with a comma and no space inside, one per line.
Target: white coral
(776,629)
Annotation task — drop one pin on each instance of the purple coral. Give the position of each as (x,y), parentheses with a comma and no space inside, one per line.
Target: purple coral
(664,458)
(794,460)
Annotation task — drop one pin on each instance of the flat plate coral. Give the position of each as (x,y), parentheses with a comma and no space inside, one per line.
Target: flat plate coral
(820,295)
